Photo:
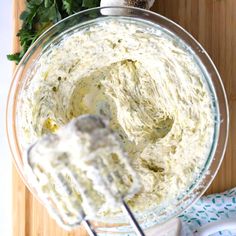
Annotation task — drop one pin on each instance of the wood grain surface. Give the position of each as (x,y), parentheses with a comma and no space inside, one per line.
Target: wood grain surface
(213,24)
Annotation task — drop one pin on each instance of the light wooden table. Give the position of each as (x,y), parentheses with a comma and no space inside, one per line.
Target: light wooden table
(213,24)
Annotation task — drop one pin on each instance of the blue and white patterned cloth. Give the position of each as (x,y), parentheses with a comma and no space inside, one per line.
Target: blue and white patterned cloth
(212,208)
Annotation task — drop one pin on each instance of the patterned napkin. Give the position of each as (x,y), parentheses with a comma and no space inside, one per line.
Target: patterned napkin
(212,208)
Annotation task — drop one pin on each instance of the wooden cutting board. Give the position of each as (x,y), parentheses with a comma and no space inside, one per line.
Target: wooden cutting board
(213,24)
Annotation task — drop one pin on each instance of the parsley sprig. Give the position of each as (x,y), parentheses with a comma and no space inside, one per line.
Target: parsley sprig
(40,15)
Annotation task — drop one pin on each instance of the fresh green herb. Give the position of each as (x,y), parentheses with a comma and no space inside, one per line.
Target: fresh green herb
(40,15)
(54,89)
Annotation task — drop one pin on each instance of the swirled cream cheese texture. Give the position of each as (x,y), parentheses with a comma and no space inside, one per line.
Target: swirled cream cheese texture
(146,83)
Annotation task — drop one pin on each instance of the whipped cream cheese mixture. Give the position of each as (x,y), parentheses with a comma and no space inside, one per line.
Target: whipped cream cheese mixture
(149,87)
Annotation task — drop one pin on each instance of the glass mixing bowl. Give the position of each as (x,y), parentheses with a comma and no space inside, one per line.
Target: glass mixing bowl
(84,19)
